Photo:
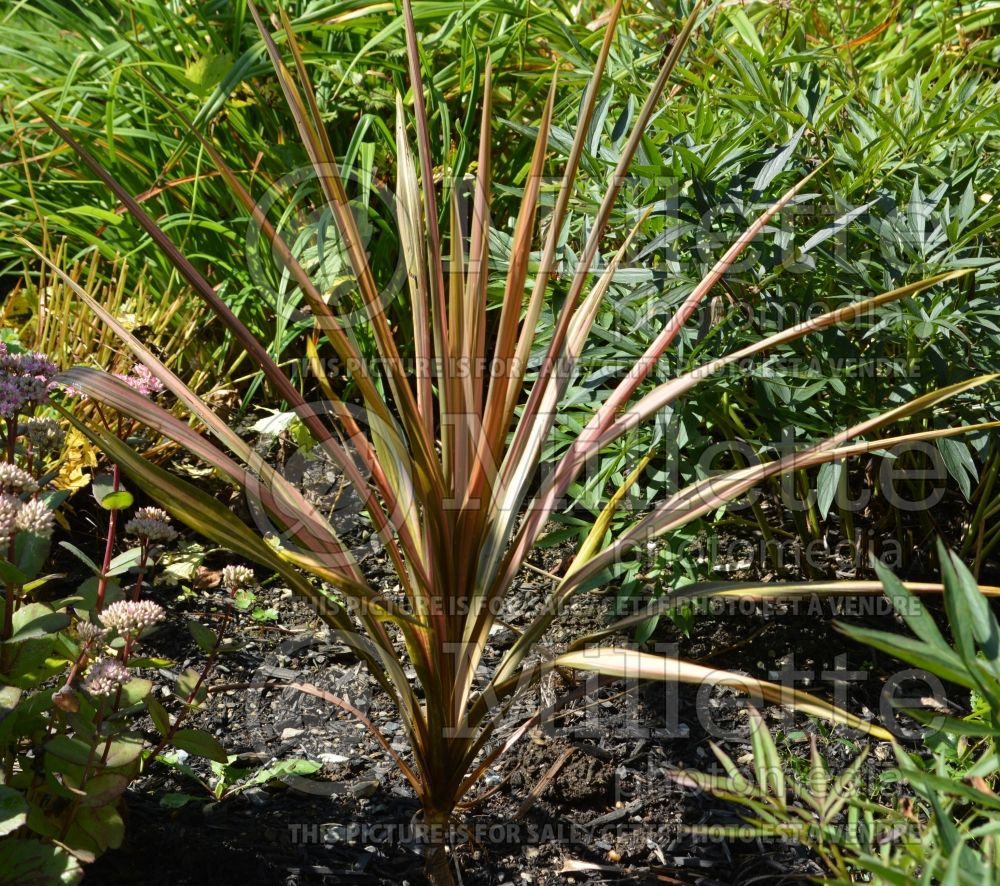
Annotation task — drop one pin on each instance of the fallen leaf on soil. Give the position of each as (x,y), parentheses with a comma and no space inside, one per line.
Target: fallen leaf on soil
(571,865)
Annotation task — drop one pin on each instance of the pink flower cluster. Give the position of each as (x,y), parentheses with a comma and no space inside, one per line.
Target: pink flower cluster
(151,524)
(25,380)
(32,516)
(132,616)
(105,676)
(142,380)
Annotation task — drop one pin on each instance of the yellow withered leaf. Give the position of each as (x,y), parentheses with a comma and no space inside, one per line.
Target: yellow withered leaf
(78,455)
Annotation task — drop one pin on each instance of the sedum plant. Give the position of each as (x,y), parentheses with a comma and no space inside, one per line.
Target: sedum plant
(72,686)
(66,747)
(445,450)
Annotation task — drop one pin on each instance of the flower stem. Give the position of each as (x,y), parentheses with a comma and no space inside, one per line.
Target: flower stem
(109,547)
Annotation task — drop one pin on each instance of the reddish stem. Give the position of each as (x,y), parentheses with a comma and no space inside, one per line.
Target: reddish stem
(109,547)
(193,694)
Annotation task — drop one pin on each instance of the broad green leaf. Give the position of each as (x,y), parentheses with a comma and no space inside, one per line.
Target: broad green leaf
(959,462)
(207,71)
(105,788)
(745,28)
(186,684)
(199,743)
(37,620)
(206,638)
(11,575)
(103,488)
(159,715)
(13,810)
(280,770)
(31,551)
(827,482)
(117,501)
(123,750)
(124,561)
(96,829)
(70,749)
(32,862)
(776,165)
(135,690)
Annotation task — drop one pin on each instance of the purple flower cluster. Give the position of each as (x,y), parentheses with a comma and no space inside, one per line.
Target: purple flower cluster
(25,380)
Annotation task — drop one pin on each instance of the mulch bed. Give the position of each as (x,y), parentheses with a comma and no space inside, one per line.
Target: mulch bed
(585,798)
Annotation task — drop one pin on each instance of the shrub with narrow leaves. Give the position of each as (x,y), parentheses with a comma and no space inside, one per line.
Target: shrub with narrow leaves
(445,450)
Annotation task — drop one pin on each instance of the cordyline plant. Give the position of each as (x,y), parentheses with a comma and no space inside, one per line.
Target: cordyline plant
(447,470)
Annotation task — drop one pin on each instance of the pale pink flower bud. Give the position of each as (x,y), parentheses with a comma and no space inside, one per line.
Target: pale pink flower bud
(16,480)
(237,578)
(105,676)
(151,524)
(36,517)
(131,617)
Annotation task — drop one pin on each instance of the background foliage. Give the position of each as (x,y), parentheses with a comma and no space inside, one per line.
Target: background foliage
(898,99)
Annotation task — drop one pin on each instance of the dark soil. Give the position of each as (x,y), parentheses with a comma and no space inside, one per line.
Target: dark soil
(585,797)
(606,811)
